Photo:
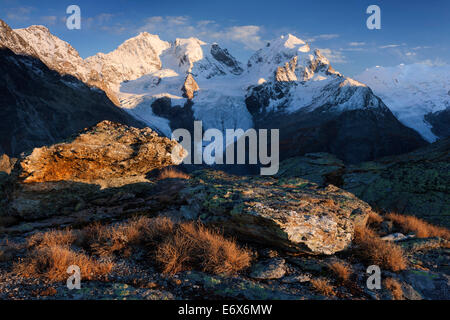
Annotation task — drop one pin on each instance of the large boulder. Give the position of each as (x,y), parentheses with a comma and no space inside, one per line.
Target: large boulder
(101,173)
(292,214)
(109,154)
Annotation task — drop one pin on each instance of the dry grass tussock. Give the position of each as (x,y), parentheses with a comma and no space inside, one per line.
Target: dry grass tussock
(383,253)
(171,173)
(341,269)
(374,218)
(194,246)
(120,239)
(50,254)
(322,286)
(174,246)
(421,228)
(394,287)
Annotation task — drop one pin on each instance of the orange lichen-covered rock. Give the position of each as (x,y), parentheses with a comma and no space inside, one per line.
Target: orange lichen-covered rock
(109,154)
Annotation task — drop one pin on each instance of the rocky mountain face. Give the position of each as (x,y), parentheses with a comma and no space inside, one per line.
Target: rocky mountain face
(440,122)
(58,55)
(317,109)
(13,41)
(285,85)
(418,95)
(131,60)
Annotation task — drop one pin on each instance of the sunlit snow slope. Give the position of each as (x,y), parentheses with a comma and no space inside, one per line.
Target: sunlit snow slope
(411,92)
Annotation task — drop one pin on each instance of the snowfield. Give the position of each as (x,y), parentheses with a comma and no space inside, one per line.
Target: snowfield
(411,92)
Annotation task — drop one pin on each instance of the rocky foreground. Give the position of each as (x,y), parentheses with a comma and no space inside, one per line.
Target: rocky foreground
(104,200)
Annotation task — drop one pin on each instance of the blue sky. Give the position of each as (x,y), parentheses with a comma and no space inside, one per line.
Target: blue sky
(411,31)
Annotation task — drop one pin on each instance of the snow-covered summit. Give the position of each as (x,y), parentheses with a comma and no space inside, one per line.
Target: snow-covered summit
(183,54)
(131,60)
(13,41)
(287,58)
(54,52)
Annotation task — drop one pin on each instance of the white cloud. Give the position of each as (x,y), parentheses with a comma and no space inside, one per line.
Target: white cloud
(421,47)
(208,30)
(409,54)
(19,13)
(436,62)
(205,22)
(247,35)
(357,44)
(178,21)
(328,36)
(357,49)
(335,56)
(390,46)
(104,22)
(98,20)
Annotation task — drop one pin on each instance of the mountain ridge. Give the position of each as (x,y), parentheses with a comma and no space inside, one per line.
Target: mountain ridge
(286,78)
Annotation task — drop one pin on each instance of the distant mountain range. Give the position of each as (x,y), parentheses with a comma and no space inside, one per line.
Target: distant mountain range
(285,85)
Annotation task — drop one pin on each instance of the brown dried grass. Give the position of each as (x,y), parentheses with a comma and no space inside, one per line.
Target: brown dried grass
(323,286)
(394,287)
(382,253)
(194,246)
(175,247)
(51,262)
(421,228)
(172,173)
(106,240)
(374,218)
(341,269)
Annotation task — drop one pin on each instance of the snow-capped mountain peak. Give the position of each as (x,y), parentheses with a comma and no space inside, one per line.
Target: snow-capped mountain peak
(292,42)
(287,58)
(145,40)
(54,52)
(131,60)
(13,41)
(183,54)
